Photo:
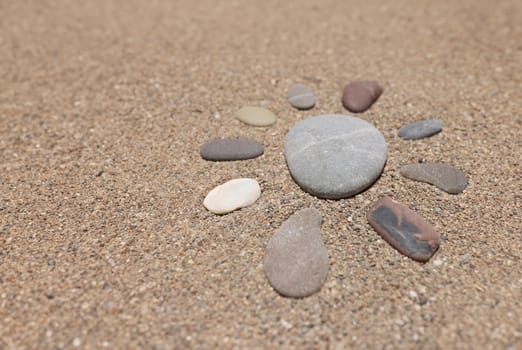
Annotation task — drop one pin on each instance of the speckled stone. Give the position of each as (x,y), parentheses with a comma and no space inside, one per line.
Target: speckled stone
(296,260)
(232,195)
(358,96)
(301,97)
(404,229)
(256,116)
(444,176)
(231,149)
(420,129)
(335,156)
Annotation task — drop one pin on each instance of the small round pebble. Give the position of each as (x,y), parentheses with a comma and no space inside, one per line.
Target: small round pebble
(231,149)
(444,176)
(358,96)
(256,116)
(301,97)
(335,156)
(420,129)
(232,195)
(296,259)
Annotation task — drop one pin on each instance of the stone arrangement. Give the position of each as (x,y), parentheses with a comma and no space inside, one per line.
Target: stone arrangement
(330,156)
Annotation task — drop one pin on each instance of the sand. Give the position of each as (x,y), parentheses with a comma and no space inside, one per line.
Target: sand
(104,241)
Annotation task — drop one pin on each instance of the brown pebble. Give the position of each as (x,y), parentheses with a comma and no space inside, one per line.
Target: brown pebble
(404,229)
(358,96)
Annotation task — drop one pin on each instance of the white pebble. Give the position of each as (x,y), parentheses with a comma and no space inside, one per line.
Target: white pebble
(232,195)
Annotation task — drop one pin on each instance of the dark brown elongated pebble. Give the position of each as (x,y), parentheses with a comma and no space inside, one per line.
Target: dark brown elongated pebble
(231,149)
(443,176)
(358,96)
(404,229)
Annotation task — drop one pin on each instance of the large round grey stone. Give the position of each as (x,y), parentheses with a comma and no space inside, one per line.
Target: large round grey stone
(335,156)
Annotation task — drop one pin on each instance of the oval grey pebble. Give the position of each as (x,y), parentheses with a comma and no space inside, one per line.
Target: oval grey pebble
(231,149)
(301,97)
(296,259)
(335,156)
(420,129)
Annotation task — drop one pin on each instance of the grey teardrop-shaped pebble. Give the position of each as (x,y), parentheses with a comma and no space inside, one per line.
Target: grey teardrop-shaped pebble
(444,176)
(420,129)
(296,260)
(231,149)
(301,96)
(335,156)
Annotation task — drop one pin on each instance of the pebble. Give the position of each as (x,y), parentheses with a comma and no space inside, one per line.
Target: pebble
(296,259)
(232,195)
(256,116)
(404,229)
(301,97)
(358,96)
(231,149)
(420,129)
(444,176)
(335,156)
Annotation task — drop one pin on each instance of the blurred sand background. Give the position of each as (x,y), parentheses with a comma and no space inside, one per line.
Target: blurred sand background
(104,241)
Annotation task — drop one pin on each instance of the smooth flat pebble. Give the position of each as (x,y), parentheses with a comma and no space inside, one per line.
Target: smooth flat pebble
(231,149)
(358,96)
(335,156)
(420,129)
(296,259)
(404,229)
(444,176)
(301,97)
(256,116)
(232,195)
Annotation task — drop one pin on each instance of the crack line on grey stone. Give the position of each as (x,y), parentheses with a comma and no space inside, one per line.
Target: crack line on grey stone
(293,98)
(333,138)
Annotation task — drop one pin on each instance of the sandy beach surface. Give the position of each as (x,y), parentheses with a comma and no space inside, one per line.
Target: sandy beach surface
(105,243)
